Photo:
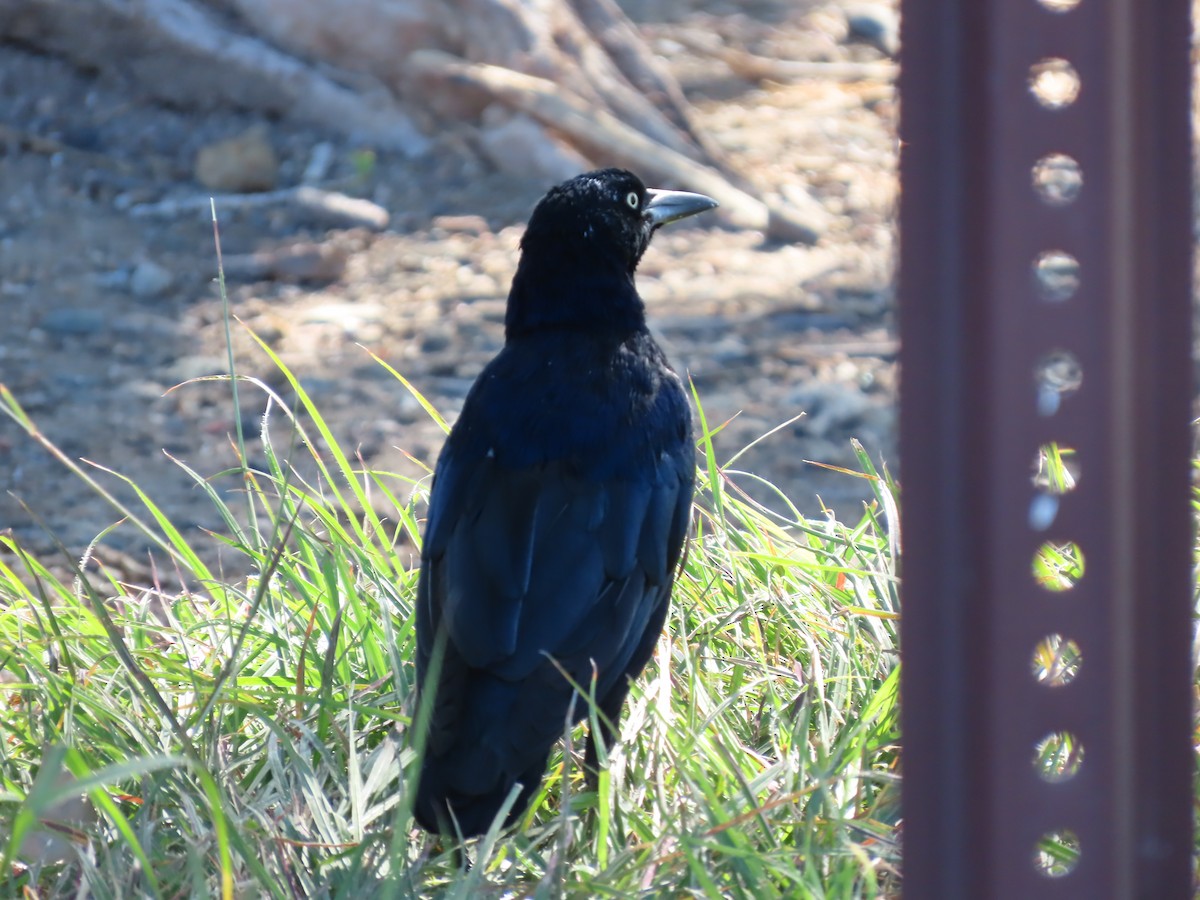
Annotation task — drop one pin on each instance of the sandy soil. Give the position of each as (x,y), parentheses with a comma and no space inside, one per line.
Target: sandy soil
(104,311)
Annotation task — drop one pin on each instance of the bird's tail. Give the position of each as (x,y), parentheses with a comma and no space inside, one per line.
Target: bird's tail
(450,801)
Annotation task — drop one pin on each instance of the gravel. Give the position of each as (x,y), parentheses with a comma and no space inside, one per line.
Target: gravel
(105,311)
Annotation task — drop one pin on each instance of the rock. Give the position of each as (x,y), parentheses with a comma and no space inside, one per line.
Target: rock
(145,389)
(729,350)
(83,136)
(358,321)
(787,223)
(73,321)
(141,326)
(463,224)
(149,279)
(876,24)
(435,339)
(197,366)
(240,164)
(406,409)
(115,280)
(830,407)
(296,263)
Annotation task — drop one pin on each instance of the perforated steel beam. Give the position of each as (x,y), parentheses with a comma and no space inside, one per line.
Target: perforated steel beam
(993,347)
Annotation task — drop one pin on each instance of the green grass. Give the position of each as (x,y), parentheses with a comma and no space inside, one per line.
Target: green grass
(253,737)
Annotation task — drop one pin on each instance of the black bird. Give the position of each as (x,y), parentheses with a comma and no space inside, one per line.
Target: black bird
(560,504)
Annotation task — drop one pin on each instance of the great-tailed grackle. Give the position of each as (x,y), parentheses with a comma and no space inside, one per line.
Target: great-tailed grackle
(560,504)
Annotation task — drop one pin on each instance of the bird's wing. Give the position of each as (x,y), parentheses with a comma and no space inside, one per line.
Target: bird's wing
(521,563)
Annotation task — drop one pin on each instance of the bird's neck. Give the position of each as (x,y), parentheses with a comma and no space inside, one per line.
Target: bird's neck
(595,300)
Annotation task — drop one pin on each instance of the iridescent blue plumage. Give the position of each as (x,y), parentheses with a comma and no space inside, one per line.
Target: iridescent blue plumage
(560,504)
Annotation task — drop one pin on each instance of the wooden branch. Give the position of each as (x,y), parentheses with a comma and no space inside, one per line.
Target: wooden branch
(331,206)
(299,263)
(35,143)
(182,53)
(619,37)
(764,68)
(601,135)
(628,49)
(624,85)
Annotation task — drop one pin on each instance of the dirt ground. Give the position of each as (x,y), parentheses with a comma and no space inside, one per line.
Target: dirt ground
(105,311)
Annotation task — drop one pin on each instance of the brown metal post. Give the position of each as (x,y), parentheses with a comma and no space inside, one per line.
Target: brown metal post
(1112,212)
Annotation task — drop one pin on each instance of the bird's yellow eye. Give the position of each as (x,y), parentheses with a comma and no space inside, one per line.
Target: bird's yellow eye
(632,199)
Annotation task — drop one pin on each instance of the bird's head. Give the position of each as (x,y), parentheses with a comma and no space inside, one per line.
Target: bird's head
(583,244)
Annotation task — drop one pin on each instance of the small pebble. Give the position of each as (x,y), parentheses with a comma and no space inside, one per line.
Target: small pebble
(240,164)
(149,279)
(876,24)
(830,407)
(116,280)
(73,321)
(188,367)
(74,382)
(466,224)
(435,340)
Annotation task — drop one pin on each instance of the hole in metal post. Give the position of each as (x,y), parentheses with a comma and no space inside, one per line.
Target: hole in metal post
(1056,469)
(1054,83)
(1043,510)
(1057,853)
(1056,275)
(1058,756)
(1056,661)
(1056,472)
(1058,567)
(1057,179)
(1058,375)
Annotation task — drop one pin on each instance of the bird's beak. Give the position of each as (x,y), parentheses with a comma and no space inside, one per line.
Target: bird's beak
(668,206)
